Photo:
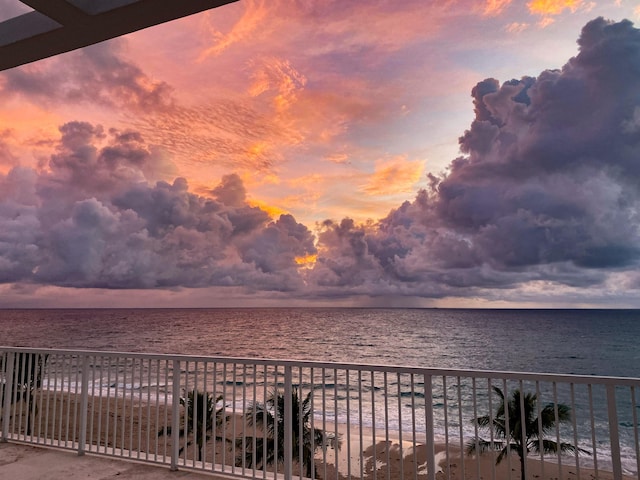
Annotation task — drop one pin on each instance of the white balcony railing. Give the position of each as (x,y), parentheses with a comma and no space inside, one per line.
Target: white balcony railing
(265,418)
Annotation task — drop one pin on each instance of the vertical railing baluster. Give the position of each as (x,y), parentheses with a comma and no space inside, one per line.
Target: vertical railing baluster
(123,415)
(288,424)
(523,431)
(194,413)
(203,438)
(575,428)
(132,404)
(114,434)
(491,430)
(557,422)
(93,401)
(324,421)
(8,393)
(613,431)
(445,401)
(507,429)
(234,414)
(540,429)
(348,417)
(400,440)
(475,424)
(224,425)
(254,441)
(593,433)
(430,430)
(413,427)
(54,405)
(84,404)
(386,425)
(78,365)
(140,416)
(156,441)
(300,445)
(244,416)
(335,419)
(100,383)
(373,424)
(175,415)
(634,409)
(460,427)
(107,422)
(214,381)
(360,426)
(312,421)
(264,403)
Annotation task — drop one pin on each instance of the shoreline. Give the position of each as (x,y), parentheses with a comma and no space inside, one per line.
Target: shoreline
(136,425)
(408,461)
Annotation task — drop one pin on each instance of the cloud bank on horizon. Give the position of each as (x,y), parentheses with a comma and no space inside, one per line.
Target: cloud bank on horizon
(542,203)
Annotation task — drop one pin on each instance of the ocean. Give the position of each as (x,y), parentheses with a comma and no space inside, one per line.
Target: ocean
(585,342)
(588,342)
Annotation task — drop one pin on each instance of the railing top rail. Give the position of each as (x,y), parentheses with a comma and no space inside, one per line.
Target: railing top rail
(493,374)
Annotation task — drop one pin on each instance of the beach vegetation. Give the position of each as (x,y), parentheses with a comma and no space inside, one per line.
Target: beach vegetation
(26,378)
(201,417)
(509,436)
(269,417)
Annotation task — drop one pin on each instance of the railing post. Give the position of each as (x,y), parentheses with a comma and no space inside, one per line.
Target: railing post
(84,404)
(175,416)
(430,440)
(614,435)
(8,393)
(288,424)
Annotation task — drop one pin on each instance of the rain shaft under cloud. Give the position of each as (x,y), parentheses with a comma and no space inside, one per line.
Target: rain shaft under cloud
(546,190)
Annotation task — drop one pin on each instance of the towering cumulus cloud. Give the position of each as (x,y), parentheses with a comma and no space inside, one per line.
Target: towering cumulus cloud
(547,188)
(93,220)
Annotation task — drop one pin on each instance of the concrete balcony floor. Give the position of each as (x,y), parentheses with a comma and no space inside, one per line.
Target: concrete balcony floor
(24,462)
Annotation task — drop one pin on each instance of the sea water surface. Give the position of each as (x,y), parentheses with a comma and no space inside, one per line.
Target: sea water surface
(589,342)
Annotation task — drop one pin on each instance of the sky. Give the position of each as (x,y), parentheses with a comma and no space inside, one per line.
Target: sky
(476,153)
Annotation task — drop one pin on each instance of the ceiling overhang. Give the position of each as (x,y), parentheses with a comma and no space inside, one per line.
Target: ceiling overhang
(58,26)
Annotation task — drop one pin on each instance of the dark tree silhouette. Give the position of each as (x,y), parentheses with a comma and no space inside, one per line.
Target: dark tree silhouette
(201,416)
(269,417)
(26,378)
(532,433)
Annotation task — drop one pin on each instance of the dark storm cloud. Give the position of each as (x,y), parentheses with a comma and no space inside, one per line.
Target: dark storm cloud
(94,220)
(555,179)
(547,189)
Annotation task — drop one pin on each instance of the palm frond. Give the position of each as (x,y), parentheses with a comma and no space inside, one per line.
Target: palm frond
(522,442)
(480,445)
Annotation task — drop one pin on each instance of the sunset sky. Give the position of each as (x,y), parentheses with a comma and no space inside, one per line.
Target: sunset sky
(471,153)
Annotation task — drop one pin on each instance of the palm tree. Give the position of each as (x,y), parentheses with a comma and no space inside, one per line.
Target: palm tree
(533,436)
(201,415)
(269,417)
(26,377)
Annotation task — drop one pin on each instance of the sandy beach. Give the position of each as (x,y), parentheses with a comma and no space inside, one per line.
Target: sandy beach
(129,428)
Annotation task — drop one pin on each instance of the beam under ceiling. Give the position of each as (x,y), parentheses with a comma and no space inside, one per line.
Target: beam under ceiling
(59,26)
